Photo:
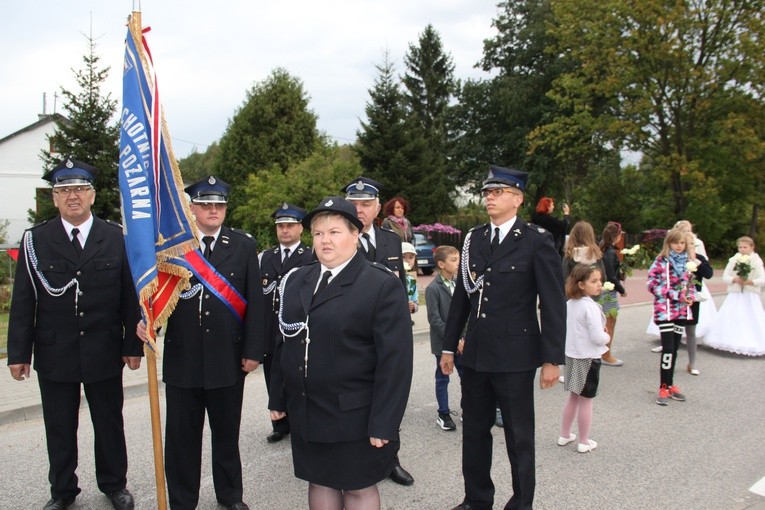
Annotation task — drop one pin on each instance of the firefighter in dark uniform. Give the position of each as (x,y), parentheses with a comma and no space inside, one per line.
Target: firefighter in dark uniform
(507,268)
(378,245)
(344,368)
(75,307)
(207,354)
(274,264)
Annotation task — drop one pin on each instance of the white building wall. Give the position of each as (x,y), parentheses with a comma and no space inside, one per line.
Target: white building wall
(21,172)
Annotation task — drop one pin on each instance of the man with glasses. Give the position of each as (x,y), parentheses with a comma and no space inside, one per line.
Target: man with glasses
(506,266)
(208,353)
(75,307)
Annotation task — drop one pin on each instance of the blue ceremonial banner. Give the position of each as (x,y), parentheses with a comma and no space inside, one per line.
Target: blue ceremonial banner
(157,221)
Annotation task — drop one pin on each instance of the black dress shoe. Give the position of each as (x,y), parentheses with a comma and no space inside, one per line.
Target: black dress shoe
(276,436)
(121,500)
(463,506)
(401,476)
(59,503)
(238,506)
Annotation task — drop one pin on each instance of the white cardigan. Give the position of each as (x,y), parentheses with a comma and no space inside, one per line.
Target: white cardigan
(585,329)
(757,275)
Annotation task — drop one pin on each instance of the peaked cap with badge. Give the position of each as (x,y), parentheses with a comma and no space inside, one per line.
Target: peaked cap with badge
(71,172)
(288,213)
(209,190)
(362,188)
(500,177)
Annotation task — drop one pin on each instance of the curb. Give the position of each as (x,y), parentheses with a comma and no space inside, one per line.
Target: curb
(33,411)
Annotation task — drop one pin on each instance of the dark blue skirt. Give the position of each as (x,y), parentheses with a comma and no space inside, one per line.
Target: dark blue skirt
(350,465)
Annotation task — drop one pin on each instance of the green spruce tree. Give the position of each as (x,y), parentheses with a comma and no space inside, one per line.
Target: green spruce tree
(87,132)
(429,87)
(389,149)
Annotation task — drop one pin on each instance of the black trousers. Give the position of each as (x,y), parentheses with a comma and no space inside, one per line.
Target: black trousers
(514,393)
(183,443)
(282,425)
(671,334)
(61,407)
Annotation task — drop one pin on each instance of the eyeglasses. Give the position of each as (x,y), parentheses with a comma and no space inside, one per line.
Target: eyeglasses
(497,192)
(211,205)
(77,190)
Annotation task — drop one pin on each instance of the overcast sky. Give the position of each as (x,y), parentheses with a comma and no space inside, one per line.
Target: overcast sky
(208,54)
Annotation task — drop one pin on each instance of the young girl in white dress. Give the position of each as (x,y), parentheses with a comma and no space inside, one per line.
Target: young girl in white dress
(741,320)
(586,341)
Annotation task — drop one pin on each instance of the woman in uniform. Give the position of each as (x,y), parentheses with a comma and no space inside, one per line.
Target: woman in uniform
(344,368)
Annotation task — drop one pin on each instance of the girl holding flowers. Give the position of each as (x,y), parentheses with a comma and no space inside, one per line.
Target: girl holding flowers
(670,280)
(612,234)
(741,319)
(704,302)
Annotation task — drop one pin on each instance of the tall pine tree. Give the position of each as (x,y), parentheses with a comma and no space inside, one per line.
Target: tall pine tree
(88,133)
(430,85)
(388,149)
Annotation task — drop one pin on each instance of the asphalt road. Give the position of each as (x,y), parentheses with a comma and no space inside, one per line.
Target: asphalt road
(702,454)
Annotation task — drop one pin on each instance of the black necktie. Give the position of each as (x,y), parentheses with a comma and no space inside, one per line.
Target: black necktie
(208,240)
(371,252)
(323,283)
(286,255)
(76,241)
(495,240)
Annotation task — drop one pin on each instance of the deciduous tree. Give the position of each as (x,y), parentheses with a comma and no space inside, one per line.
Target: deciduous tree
(274,126)
(663,78)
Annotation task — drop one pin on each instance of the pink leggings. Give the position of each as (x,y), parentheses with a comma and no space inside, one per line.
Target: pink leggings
(581,408)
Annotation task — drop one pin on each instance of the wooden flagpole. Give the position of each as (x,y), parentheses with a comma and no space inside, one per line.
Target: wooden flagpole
(156,425)
(151,368)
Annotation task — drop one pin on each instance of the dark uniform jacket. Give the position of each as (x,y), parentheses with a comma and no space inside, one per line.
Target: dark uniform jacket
(204,346)
(611,267)
(82,341)
(438,300)
(388,252)
(271,272)
(557,228)
(359,357)
(504,335)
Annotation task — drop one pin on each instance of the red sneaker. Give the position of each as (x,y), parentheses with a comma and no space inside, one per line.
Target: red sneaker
(664,396)
(674,393)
